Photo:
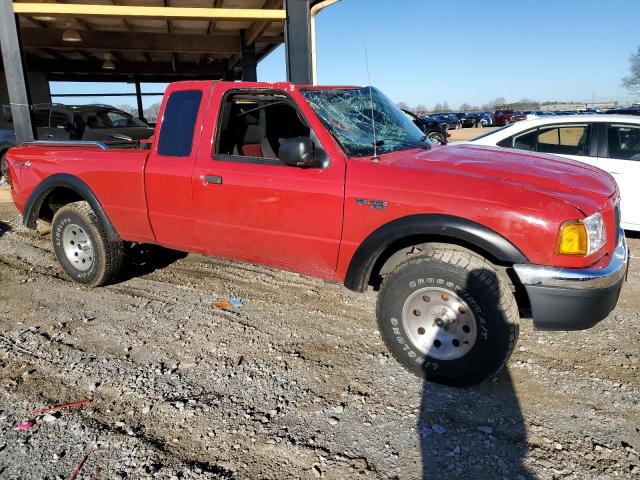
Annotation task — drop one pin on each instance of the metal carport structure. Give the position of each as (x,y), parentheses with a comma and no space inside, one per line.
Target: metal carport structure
(145,41)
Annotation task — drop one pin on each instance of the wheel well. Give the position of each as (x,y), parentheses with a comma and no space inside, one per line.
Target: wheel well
(397,252)
(55,199)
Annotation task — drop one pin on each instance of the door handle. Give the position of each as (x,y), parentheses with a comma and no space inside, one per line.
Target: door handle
(211,179)
(49,136)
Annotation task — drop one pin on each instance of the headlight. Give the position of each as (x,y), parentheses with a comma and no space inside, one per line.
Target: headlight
(582,237)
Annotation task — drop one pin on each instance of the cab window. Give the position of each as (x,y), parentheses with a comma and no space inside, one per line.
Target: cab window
(624,141)
(179,123)
(252,126)
(564,140)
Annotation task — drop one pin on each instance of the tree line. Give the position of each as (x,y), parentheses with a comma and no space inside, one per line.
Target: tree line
(499,102)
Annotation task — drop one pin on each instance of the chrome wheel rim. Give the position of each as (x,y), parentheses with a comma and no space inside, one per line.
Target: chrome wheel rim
(435,139)
(439,323)
(77,247)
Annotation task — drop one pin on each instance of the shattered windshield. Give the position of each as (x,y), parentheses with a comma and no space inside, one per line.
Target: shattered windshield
(358,117)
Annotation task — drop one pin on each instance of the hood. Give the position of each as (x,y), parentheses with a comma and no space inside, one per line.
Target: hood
(583,186)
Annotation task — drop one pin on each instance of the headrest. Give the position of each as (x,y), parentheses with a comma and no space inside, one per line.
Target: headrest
(253,135)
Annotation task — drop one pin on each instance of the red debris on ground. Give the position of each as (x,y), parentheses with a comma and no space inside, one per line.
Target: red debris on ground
(59,407)
(77,470)
(25,425)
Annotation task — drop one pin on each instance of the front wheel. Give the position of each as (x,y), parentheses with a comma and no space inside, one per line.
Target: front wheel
(82,247)
(448,316)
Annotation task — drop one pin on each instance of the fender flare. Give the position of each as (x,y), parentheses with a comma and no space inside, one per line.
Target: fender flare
(447,226)
(37,197)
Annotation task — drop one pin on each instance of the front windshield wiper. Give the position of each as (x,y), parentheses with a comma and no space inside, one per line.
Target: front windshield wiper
(419,143)
(403,143)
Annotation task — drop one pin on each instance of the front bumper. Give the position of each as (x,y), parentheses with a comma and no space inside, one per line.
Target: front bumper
(574,299)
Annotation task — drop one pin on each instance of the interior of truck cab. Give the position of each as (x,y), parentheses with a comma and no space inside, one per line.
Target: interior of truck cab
(254,125)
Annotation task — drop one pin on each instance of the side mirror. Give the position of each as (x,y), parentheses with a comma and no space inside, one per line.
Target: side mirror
(298,152)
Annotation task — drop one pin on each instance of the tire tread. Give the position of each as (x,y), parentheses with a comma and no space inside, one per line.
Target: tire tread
(113,250)
(465,259)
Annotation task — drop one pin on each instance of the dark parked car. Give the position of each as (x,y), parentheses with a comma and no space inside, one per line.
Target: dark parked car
(7,137)
(484,119)
(433,129)
(450,120)
(89,122)
(467,119)
(623,111)
(476,119)
(54,121)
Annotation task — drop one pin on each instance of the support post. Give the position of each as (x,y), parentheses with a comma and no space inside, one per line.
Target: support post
(297,38)
(249,61)
(15,73)
(139,100)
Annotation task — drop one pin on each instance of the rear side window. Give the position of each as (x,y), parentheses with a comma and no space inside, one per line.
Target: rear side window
(564,140)
(624,142)
(41,117)
(178,123)
(526,141)
(59,119)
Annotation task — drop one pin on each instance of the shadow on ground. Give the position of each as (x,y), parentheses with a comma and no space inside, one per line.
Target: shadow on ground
(142,259)
(473,433)
(476,432)
(4,228)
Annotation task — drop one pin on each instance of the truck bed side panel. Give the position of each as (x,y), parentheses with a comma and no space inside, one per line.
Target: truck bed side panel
(114,176)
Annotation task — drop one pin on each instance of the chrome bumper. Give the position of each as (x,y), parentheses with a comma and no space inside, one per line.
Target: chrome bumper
(578,279)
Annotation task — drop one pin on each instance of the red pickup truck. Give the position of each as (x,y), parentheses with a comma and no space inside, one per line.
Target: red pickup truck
(337,183)
(503,117)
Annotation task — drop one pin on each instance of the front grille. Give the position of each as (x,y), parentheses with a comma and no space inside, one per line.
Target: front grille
(616,217)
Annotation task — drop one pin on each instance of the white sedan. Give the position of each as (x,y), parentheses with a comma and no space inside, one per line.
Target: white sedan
(610,142)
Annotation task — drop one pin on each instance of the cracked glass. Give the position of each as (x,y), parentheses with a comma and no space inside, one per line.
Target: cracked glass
(358,117)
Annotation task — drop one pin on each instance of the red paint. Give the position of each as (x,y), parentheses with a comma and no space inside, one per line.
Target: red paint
(307,220)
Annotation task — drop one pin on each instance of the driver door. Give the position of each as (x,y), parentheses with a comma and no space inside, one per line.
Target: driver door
(251,206)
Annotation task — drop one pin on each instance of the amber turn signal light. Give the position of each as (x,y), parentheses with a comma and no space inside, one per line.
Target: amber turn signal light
(573,239)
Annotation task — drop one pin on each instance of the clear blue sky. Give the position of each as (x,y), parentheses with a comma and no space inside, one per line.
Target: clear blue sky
(425,52)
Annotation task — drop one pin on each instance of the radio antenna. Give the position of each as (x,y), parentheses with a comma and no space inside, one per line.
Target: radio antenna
(375,157)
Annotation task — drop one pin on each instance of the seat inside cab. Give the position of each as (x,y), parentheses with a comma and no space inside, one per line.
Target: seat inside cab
(255,124)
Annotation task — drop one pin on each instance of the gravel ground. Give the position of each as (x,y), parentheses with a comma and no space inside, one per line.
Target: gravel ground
(295,383)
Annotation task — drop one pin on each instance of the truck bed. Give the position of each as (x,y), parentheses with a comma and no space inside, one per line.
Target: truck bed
(108,174)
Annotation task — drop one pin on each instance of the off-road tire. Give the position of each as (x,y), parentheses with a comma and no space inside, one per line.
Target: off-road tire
(475,281)
(437,138)
(107,255)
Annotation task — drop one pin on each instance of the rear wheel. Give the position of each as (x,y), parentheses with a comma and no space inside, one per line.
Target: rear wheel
(448,316)
(437,138)
(82,247)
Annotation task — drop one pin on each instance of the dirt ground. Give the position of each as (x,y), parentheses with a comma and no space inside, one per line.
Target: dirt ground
(295,383)
(467,133)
